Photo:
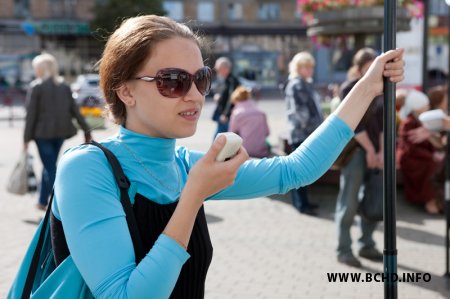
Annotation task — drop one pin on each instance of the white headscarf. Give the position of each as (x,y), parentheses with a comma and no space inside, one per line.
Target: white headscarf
(414,100)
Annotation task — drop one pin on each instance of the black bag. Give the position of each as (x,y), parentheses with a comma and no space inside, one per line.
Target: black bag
(31,176)
(371,204)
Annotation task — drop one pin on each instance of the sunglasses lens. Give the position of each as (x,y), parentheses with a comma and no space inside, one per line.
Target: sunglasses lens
(173,83)
(202,80)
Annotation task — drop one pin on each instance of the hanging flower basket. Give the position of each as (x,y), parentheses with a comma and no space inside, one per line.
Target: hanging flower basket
(354,20)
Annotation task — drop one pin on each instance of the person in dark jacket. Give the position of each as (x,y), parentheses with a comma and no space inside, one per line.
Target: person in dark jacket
(304,115)
(50,109)
(367,158)
(224,106)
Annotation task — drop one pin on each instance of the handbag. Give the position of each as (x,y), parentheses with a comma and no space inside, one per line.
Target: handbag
(22,178)
(17,182)
(39,277)
(346,154)
(31,176)
(371,204)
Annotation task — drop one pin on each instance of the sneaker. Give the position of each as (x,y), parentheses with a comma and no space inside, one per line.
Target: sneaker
(349,260)
(371,254)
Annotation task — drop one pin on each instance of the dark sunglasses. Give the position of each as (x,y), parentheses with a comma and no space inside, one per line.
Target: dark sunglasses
(175,83)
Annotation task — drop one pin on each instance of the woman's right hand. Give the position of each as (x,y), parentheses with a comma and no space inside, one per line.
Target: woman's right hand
(209,176)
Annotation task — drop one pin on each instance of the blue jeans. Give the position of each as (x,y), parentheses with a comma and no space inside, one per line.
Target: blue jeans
(221,128)
(351,180)
(48,151)
(299,196)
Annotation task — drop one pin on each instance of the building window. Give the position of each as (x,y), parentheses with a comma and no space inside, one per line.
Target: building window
(438,8)
(269,12)
(56,8)
(234,11)
(21,8)
(205,11)
(174,10)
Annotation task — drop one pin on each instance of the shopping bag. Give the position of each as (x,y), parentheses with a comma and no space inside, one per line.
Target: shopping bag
(18,180)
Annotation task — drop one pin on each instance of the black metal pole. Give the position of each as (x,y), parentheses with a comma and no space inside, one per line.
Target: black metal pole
(425,47)
(447,167)
(389,178)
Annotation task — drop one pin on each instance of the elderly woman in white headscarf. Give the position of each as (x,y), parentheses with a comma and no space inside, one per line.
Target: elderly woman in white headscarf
(415,102)
(418,162)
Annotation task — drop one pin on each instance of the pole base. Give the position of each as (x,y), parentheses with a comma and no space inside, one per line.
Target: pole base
(446,275)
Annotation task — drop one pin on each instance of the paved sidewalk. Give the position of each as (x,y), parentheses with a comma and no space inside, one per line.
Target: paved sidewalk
(263,248)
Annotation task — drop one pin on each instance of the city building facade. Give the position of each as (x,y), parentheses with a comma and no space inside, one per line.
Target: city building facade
(60,27)
(259,36)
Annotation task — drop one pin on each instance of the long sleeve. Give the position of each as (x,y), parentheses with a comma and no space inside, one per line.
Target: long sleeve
(265,125)
(278,175)
(87,201)
(423,150)
(32,111)
(234,124)
(302,115)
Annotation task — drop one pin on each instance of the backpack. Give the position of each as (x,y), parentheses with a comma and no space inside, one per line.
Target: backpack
(39,277)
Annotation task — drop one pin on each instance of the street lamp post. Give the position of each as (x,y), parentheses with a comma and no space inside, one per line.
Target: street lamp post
(425,82)
(447,162)
(389,177)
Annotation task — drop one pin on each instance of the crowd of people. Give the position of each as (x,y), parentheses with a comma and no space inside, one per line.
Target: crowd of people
(155,94)
(152,116)
(420,151)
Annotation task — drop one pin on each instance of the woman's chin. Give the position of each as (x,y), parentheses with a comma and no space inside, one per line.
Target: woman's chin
(187,132)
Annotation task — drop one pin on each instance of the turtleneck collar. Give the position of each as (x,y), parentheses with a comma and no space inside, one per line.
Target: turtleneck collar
(148,147)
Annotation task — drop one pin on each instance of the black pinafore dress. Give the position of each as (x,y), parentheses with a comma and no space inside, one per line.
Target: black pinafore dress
(152,218)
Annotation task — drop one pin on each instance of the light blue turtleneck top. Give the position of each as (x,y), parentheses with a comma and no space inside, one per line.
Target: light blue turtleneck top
(87,201)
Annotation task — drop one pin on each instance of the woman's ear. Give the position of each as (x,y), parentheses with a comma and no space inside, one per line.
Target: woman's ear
(125,95)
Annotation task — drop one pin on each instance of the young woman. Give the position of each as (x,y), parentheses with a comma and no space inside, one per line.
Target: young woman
(154,81)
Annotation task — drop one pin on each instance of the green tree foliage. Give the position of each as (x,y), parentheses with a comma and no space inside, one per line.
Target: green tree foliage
(109,14)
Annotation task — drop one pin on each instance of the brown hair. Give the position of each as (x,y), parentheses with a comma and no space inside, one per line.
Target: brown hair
(436,95)
(240,94)
(127,50)
(364,56)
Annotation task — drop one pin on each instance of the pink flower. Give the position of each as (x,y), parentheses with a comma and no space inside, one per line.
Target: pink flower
(414,7)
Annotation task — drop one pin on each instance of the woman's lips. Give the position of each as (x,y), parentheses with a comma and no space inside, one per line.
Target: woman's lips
(190,115)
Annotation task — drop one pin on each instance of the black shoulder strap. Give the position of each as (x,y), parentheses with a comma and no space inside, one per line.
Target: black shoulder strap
(124,184)
(28,286)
